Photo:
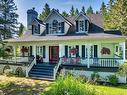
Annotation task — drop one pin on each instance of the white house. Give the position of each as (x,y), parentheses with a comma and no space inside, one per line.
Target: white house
(76,44)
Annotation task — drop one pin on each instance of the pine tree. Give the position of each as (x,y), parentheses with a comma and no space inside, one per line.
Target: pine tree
(83,10)
(45,12)
(65,14)
(89,11)
(103,11)
(9,16)
(21,30)
(76,11)
(72,11)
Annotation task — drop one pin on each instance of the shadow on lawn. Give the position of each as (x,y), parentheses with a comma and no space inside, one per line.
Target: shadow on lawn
(23,89)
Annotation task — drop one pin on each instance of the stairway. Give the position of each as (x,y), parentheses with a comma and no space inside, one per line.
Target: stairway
(42,71)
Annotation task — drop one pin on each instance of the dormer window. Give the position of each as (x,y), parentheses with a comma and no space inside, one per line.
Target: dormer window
(81,25)
(55,27)
(36,29)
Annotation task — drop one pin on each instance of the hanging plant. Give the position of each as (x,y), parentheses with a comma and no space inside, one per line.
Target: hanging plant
(24,49)
(105,50)
(73,51)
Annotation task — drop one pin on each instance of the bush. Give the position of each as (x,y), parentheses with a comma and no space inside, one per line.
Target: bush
(95,76)
(8,72)
(70,86)
(113,79)
(19,72)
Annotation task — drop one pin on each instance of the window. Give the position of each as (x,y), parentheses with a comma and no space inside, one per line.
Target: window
(55,27)
(81,25)
(36,29)
(86,25)
(77,54)
(44,51)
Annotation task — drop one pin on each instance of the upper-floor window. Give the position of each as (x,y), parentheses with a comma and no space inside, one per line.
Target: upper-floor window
(36,29)
(55,27)
(81,25)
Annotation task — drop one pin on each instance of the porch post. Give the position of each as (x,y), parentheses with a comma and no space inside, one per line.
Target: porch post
(88,58)
(34,52)
(14,53)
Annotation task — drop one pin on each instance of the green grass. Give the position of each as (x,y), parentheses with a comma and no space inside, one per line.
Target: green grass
(109,90)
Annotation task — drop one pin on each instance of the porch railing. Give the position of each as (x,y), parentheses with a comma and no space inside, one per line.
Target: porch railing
(17,60)
(98,62)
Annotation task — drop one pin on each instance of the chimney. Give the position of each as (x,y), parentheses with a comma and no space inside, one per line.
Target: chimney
(31,15)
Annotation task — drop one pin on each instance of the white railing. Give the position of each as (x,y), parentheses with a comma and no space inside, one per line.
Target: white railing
(29,66)
(100,62)
(56,69)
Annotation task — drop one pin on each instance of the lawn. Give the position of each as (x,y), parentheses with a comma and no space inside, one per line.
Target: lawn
(26,86)
(109,90)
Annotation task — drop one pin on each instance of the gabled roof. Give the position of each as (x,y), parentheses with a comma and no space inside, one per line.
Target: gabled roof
(39,21)
(53,10)
(81,14)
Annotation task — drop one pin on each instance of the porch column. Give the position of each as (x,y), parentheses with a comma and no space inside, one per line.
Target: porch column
(14,53)
(88,58)
(34,52)
(61,50)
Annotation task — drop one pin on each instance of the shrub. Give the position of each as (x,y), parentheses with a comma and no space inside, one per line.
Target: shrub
(19,72)
(95,76)
(9,72)
(70,86)
(113,79)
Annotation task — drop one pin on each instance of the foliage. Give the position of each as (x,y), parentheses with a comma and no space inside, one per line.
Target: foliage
(113,79)
(5,85)
(115,15)
(89,11)
(95,76)
(19,72)
(83,10)
(3,52)
(8,18)
(65,14)
(45,12)
(9,72)
(123,69)
(76,11)
(72,11)
(70,86)
(21,29)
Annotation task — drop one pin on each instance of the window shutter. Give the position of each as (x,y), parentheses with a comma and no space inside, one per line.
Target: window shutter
(83,51)
(86,25)
(66,51)
(38,28)
(62,25)
(76,26)
(47,28)
(44,51)
(32,29)
(77,47)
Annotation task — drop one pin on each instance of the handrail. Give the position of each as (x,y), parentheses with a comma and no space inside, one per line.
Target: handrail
(56,68)
(29,66)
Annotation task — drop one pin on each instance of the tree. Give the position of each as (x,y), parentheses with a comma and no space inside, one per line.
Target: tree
(9,18)
(65,14)
(103,11)
(117,16)
(72,11)
(21,30)
(83,10)
(89,11)
(76,11)
(45,12)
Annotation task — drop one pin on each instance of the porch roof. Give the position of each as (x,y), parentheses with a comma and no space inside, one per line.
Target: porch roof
(91,36)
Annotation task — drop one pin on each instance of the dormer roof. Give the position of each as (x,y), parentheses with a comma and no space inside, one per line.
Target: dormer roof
(54,10)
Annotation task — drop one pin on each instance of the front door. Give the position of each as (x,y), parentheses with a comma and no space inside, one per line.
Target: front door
(53,54)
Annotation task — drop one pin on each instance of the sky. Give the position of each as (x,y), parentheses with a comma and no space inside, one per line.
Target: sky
(62,5)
